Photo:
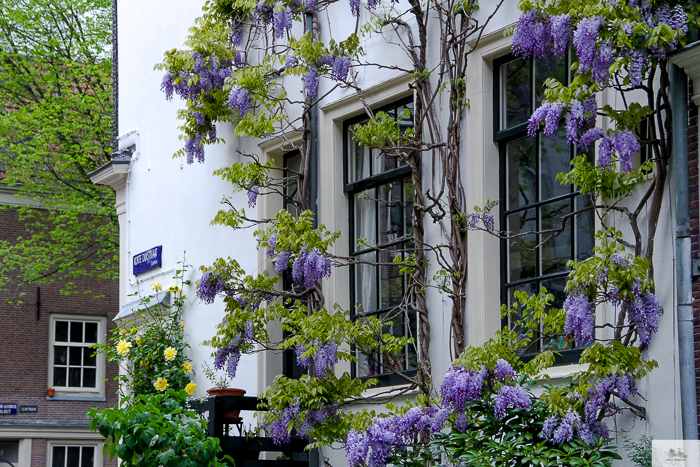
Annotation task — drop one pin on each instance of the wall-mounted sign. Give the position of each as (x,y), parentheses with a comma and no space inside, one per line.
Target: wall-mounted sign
(28,409)
(149,259)
(8,409)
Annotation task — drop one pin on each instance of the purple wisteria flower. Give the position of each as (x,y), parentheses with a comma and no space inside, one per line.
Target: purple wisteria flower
(639,60)
(239,99)
(548,426)
(301,360)
(503,370)
(279,429)
(561,34)
(290,62)
(355,7)
(618,260)
(597,400)
(311,82)
(579,318)
(511,396)
(439,420)
(194,149)
(550,114)
(271,243)
(212,134)
(229,356)
(282,262)
(589,137)
(310,266)
(236,34)
(210,285)
(533,35)
(625,143)
(248,329)
(565,431)
(167,86)
(340,68)
(585,38)
(253,193)
(460,386)
(281,19)
(356,448)
(644,314)
(323,359)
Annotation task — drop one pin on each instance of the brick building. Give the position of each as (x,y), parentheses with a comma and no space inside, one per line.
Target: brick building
(50,376)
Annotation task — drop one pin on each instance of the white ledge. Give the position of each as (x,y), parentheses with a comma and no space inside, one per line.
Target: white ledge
(688,58)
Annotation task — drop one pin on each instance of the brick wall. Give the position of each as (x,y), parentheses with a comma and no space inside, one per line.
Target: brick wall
(24,346)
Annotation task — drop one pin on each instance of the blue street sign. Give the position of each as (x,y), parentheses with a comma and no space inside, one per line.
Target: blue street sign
(8,409)
(149,259)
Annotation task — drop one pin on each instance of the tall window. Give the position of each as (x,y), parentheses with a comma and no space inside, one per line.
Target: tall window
(381,197)
(531,198)
(73,363)
(72,456)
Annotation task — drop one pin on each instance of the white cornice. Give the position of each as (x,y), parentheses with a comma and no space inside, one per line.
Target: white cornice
(8,197)
(688,58)
(56,431)
(112,174)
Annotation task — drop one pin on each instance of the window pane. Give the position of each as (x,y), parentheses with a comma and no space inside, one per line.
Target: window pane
(556,250)
(89,377)
(390,210)
(366,284)
(522,172)
(9,451)
(366,218)
(390,279)
(76,355)
(556,288)
(395,326)
(290,187)
(88,456)
(521,249)
(585,229)
(59,377)
(59,456)
(74,377)
(91,333)
(62,331)
(555,157)
(358,159)
(73,456)
(89,357)
(516,94)
(60,355)
(76,331)
(368,365)
(545,68)
(409,195)
(413,332)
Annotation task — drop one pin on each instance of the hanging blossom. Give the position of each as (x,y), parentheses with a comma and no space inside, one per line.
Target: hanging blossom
(385,434)
(228,357)
(550,114)
(624,143)
(253,193)
(503,370)
(210,285)
(271,243)
(561,430)
(316,417)
(311,79)
(194,149)
(236,34)
(598,402)
(281,19)
(340,68)
(279,428)
(644,314)
(585,38)
(310,266)
(561,34)
(483,215)
(579,318)
(533,35)
(460,386)
(511,396)
(290,62)
(579,114)
(239,99)
(282,261)
(323,359)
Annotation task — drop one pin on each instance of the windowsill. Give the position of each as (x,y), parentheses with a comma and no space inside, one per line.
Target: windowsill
(77,397)
(562,372)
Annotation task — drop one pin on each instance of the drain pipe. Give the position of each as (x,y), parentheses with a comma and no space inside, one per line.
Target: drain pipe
(313,153)
(684,286)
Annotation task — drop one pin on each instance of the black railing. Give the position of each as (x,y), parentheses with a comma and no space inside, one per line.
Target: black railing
(246,451)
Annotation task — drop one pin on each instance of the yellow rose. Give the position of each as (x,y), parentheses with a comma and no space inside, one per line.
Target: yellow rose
(175,289)
(143,362)
(170,354)
(182,325)
(123,347)
(186,367)
(123,331)
(142,315)
(156,286)
(161,384)
(190,388)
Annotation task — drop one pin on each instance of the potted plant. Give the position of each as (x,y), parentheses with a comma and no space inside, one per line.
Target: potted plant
(221,388)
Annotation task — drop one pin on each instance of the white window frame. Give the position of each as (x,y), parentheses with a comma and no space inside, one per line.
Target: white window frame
(63,392)
(97,460)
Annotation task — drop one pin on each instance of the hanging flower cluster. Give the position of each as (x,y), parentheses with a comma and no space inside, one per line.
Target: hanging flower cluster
(323,359)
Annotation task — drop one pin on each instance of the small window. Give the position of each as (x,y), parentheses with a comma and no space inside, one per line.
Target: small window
(9,453)
(74,366)
(72,456)
(380,192)
(532,199)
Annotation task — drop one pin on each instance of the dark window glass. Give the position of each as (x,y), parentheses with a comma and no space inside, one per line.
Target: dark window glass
(59,376)
(381,198)
(91,333)
(74,377)
(76,331)
(89,357)
(60,355)
(61,331)
(532,199)
(87,457)
(59,456)
(75,356)
(89,377)
(73,458)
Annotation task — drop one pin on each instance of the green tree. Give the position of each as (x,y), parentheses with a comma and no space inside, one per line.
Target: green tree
(55,127)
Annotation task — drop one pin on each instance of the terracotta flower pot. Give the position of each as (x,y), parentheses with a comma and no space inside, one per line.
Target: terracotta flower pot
(52,391)
(229,414)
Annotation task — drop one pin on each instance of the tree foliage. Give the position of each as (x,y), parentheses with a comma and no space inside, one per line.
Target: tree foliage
(55,128)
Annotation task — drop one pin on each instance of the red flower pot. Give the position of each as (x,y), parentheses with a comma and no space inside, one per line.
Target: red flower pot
(229,414)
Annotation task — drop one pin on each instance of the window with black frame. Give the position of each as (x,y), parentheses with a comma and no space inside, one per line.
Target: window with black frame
(381,196)
(531,197)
